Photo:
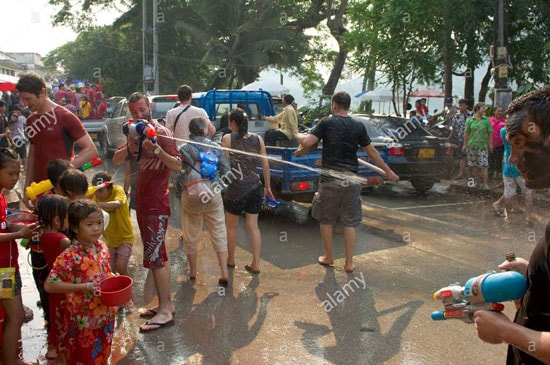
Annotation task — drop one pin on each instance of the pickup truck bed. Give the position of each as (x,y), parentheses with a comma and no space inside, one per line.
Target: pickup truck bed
(93,126)
(296,178)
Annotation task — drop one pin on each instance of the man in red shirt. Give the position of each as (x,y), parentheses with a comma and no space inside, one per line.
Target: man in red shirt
(60,94)
(152,205)
(101,108)
(52,131)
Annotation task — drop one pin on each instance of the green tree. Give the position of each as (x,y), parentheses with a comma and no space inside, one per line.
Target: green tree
(80,15)
(241,39)
(100,52)
(528,29)
(399,43)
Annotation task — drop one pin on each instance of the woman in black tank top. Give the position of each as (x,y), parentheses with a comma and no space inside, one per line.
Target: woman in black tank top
(245,192)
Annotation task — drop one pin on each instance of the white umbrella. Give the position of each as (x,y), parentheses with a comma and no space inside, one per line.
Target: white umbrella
(274,87)
(381,95)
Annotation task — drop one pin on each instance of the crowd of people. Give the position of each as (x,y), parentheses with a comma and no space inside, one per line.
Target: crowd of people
(94,227)
(480,143)
(84,99)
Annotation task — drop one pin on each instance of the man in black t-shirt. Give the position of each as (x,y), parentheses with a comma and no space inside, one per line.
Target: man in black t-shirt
(528,131)
(338,196)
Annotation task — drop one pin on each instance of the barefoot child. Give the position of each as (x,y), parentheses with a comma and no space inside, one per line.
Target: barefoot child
(119,234)
(91,324)
(11,298)
(512,179)
(52,213)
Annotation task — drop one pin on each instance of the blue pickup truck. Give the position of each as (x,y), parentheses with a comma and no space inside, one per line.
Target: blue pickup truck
(256,103)
(292,177)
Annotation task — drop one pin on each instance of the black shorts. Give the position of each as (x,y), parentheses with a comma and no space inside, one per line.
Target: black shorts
(251,203)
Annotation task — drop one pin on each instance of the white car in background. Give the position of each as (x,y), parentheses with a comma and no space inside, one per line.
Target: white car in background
(111,135)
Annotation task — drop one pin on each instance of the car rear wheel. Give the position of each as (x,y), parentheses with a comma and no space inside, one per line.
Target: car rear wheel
(422,185)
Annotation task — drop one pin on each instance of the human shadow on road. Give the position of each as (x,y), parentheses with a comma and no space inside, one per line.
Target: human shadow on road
(221,325)
(355,325)
(289,245)
(157,346)
(211,330)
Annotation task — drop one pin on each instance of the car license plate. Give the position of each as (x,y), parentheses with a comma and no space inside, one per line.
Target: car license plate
(426,153)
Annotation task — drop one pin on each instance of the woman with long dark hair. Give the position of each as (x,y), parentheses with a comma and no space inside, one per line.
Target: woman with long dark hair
(246,193)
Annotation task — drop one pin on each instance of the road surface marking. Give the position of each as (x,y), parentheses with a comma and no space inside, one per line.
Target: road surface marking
(438,205)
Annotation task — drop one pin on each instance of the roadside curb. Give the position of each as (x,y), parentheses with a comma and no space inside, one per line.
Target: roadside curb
(541,197)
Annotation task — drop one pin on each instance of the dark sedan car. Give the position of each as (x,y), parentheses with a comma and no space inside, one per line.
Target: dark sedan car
(415,154)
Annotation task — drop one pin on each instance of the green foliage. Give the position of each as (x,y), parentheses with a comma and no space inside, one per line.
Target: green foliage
(529,48)
(80,14)
(396,38)
(241,39)
(310,113)
(227,43)
(86,58)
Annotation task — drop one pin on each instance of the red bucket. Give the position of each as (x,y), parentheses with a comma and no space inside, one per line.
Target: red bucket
(16,221)
(116,290)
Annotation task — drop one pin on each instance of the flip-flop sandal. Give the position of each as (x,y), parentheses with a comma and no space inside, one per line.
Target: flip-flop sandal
(160,325)
(148,313)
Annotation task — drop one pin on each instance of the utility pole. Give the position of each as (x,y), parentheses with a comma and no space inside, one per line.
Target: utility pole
(155,49)
(144,43)
(500,56)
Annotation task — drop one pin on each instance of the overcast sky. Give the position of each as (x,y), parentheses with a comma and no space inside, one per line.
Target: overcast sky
(26,27)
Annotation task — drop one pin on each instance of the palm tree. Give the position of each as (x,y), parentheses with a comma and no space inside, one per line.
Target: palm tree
(242,38)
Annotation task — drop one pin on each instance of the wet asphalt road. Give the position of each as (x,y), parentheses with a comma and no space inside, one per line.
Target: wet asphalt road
(298,312)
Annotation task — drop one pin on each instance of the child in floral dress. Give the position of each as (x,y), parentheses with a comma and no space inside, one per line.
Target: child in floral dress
(77,272)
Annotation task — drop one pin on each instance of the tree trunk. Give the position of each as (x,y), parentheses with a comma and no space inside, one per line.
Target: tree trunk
(335,23)
(485,84)
(336,72)
(469,74)
(371,74)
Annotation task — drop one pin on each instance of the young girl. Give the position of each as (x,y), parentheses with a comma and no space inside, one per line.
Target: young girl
(52,213)
(73,184)
(77,272)
(13,307)
(119,234)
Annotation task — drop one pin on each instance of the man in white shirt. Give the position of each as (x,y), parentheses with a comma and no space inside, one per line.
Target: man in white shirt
(177,119)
